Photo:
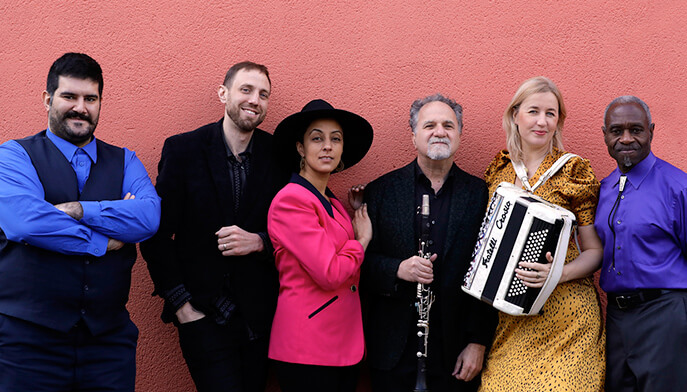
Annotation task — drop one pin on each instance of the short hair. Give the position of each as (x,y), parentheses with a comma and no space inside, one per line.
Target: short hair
(248,66)
(536,85)
(420,102)
(75,65)
(629,99)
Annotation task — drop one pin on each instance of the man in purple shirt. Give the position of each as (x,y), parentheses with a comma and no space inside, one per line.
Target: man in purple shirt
(71,210)
(642,220)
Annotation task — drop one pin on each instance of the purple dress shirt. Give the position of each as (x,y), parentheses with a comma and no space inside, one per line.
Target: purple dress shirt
(649,250)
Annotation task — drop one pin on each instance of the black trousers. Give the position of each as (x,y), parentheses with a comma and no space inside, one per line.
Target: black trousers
(38,359)
(221,358)
(296,377)
(402,378)
(646,346)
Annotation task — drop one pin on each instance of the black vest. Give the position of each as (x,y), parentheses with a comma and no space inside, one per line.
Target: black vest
(57,290)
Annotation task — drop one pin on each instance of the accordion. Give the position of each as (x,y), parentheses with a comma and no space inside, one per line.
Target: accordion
(518,226)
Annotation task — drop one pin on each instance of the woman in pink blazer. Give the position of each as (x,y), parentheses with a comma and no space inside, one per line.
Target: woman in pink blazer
(317,334)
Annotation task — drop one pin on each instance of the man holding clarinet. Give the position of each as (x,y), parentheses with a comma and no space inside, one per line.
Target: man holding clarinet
(418,253)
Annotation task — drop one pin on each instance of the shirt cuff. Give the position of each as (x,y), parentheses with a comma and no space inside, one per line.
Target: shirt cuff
(177,297)
(91,210)
(98,244)
(267,248)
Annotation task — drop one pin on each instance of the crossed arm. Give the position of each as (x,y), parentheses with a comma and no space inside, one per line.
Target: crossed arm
(26,217)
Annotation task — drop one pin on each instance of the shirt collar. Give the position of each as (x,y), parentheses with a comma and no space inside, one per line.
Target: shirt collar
(68,150)
(245,153)
(420,176)
(637,174)
(297,179)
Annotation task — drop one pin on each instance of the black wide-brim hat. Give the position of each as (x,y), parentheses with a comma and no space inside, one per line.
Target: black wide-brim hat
(357,133)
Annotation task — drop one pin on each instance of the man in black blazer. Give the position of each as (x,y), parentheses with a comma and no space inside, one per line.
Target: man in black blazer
(460,327)
(211,259)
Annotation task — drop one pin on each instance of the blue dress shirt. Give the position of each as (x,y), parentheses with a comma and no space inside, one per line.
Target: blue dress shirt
(650,223)
(26,217)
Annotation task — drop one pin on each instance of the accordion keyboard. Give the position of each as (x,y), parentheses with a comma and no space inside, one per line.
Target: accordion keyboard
(538,242)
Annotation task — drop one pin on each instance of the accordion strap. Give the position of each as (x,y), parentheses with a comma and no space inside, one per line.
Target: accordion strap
(521,172)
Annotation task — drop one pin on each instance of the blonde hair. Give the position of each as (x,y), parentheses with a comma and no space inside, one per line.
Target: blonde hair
(539,84)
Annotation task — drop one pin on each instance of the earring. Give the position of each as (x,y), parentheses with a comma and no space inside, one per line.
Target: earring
(302,163)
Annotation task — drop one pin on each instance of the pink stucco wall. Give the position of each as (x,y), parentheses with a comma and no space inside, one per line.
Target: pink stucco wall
(164,59)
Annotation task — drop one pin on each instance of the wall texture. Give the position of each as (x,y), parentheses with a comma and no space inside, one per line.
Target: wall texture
(164,59)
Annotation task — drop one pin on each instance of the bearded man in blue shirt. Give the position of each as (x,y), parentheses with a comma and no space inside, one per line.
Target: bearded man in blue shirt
(71,210)
(642,220)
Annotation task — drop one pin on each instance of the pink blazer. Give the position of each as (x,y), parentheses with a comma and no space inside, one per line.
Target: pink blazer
(318,319)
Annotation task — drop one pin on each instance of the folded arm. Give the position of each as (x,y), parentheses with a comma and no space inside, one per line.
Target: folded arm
(132,219)
(26,217)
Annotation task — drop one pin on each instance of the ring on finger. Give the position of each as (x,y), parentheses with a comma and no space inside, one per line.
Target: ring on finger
(224,246)
(538,275)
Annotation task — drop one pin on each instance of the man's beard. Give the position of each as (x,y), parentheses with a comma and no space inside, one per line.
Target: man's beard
(246,125)
(60,127)
(438,151)
(627,161)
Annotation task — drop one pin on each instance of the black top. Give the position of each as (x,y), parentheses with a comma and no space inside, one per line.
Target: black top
(439,209)
(238,171)
(197,199)
(390,301)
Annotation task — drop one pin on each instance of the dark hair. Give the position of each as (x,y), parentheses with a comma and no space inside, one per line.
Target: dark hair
(75,65)
(247,65)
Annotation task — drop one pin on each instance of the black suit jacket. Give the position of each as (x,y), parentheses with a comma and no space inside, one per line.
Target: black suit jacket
(197,200)
(391,301)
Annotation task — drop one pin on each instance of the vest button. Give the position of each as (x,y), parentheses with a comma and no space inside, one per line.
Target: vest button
(83,311)
(87,262)
(85,287)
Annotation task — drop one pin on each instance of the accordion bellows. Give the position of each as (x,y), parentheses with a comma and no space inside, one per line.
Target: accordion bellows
(518,226)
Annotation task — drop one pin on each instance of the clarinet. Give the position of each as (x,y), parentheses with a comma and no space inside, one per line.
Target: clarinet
(423,302)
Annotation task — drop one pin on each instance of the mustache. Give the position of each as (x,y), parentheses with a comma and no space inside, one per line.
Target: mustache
(435,139)
(626,148)
(77,115)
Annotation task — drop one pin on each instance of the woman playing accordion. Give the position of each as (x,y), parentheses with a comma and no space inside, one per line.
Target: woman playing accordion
(563,348)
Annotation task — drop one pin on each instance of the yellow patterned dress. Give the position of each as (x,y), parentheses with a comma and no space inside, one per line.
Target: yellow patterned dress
(564,348)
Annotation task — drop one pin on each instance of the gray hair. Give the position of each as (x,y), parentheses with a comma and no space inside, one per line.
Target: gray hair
(420,102)
(629,99)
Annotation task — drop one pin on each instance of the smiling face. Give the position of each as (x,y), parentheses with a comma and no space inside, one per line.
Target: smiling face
(537,120)
(437,133)
(322,147)
(246,100)
(628,134)
(73,109)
